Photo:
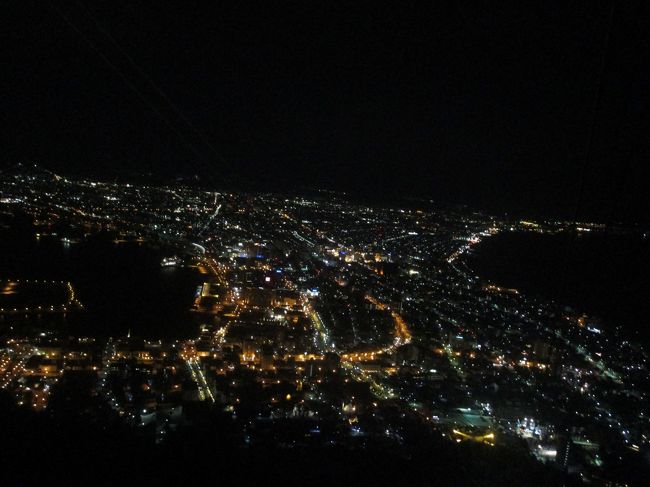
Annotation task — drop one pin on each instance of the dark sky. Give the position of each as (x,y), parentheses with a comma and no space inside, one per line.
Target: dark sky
(471,102)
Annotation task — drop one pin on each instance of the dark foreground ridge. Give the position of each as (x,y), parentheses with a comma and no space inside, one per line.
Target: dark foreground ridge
(68,446)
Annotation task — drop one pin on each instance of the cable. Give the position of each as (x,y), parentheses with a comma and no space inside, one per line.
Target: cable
(154,85)
(128,82)
(590,138)
(594,111)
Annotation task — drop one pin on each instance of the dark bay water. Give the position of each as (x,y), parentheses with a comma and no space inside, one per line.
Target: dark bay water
(122,286)
(603,275)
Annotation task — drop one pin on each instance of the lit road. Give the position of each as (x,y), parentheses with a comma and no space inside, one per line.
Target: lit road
(322,332)
(402,336)
(378,389)
(199,378)
(402,332)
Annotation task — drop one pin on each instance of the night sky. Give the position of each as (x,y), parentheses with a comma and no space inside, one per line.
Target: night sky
(480,103)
